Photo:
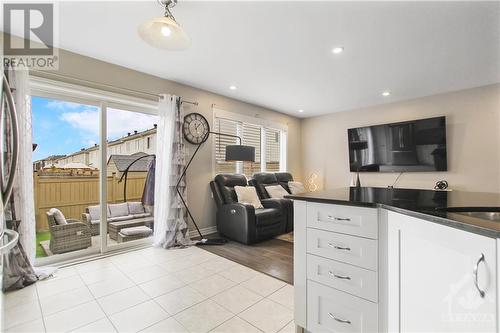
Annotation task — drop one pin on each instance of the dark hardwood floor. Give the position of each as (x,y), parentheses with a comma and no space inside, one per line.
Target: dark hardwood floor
(273,257)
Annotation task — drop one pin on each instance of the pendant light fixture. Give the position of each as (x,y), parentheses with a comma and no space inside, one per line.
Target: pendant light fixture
(164,32)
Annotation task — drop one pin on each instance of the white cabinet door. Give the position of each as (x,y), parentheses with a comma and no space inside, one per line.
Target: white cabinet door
(300,262)
(431,269)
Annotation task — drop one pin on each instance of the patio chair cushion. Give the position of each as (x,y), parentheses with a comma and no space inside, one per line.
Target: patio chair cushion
(120,209)
(132,231)
(135,208)
(58,216)
(120,218)
(95,212)
(136,216)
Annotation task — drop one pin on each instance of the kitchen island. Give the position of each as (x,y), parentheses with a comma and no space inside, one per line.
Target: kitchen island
(379,260)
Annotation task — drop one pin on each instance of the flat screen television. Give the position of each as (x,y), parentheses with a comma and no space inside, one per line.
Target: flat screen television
(409,146)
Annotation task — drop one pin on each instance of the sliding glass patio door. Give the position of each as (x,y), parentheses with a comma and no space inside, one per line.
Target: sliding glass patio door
(91,162)
(131,147)
(65,176)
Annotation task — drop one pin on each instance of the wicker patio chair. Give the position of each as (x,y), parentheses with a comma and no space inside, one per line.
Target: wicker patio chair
(95,228)
(68,237)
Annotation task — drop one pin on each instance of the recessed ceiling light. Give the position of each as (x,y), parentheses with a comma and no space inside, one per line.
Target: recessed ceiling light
(337,50)
(301,110)
(233,87)
(386,93)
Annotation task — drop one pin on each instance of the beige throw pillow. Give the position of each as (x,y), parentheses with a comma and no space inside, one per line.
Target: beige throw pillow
(276,191)
(296,187)
(248,195)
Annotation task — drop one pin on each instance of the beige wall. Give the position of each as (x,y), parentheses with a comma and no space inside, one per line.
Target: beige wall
(200,172)
(473,127)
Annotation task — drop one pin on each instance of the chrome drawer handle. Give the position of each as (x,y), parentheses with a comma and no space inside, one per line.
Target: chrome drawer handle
(474,273)
(339,247)
(330,217)
(343,321)
(342,277)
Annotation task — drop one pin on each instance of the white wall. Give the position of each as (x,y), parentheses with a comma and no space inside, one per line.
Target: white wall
(473,126)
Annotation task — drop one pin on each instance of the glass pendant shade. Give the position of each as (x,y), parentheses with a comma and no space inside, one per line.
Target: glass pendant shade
(164,33)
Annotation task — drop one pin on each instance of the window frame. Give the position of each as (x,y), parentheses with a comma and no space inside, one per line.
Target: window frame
(255,121)
(104,100)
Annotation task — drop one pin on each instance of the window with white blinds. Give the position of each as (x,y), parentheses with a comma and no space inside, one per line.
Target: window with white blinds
(267,143)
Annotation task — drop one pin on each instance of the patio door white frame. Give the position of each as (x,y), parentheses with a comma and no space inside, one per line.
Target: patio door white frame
(47,88)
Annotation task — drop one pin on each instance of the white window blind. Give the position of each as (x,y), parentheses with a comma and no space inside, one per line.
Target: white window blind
(267,142)
(250,135)
(273,150)
(227,127)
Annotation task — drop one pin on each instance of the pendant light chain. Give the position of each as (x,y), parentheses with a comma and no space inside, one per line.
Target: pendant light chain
(168,4)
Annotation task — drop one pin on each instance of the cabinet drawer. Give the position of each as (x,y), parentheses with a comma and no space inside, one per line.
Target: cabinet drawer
(351,279)
(349,220)
(352,250)
(330,310)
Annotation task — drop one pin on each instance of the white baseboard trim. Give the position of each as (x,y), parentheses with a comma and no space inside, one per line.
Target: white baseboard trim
(204,231)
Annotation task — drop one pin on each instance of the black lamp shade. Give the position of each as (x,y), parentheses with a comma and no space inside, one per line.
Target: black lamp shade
(240,153)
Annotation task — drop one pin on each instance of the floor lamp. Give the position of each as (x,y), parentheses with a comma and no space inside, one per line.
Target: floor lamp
(357,146)
(234,153)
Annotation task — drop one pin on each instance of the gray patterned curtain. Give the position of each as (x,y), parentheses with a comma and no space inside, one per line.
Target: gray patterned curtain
(170,216)
(148,195)
(18,269)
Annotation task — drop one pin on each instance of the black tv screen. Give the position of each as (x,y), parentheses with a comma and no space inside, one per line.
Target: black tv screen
(409,146)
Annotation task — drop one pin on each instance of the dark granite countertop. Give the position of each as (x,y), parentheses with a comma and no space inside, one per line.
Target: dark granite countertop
(424,204)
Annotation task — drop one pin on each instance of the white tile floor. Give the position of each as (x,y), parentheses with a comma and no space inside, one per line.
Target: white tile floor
(154,290)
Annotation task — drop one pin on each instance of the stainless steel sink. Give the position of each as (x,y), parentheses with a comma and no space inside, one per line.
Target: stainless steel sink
(490,216)
(483,213)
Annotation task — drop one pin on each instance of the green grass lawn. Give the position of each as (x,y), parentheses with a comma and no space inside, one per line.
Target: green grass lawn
(41,236)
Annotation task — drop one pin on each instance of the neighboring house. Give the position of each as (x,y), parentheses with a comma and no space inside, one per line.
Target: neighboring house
(51,160)
(117,164)
(132,143)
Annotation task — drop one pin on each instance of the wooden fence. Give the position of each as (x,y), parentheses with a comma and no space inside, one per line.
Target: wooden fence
(72,194)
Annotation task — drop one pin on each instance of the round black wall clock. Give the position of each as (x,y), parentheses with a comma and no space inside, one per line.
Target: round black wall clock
(195,128)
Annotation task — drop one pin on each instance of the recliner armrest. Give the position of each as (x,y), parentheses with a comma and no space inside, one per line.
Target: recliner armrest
(234,208)
(237,221)
(272,203)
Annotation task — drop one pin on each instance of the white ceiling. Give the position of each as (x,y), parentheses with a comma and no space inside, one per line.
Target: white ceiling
(279,56)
